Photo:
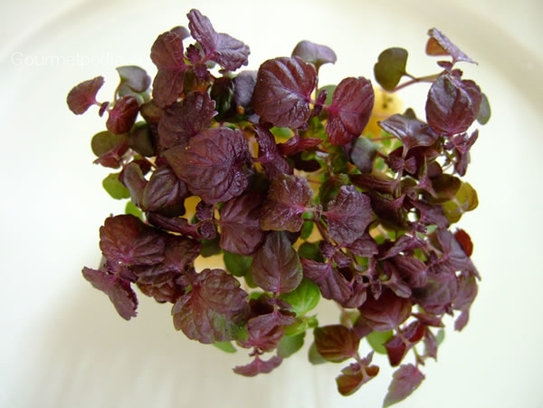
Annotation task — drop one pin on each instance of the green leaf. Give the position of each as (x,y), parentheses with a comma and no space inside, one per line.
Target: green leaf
(330,89)
(114,187)
(304,298)
(309,250)
(464,200)
(307,229)
(132,209)
(390,67)
(377,340)
(290,345)
(281,132)
(314,356)
(105,141)
(302,324)
(484,111)
(440,336)
(210,247)
(225,346)
(237,265)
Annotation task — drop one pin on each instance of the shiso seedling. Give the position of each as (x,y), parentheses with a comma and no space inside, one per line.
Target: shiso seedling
(287,182)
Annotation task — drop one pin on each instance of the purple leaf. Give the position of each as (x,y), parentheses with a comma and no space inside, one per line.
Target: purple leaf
(244,85)
(467,291)
(387,312)
(167,55)
(410,130)
(336,343)
(364,246)
(398,345)
(258,366)
(412,270)
(213,164)
(185,119)
(405,380)
(240,225)
(126,240)
(285,204)
(452,104)
(276,266)
(438,294)
(282,93)
(82,96)
(331,283)
(221,48)
(348,215)
(263,333)
(453,256)
(119,291)
(350,110)
(164,192)
(213,309)
(439,44)
(315,54)
(269,154)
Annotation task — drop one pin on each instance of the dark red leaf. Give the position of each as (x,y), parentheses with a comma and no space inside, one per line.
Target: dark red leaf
(350,110)
(258,366)
(164,192)
(213,309)
(336,343)
(132,178)
(167,54)
(269,154)
(332,284)
(315,54)
(179,253)
(123,115)
(396,349)
(410,130)
(463,238)
(119,291)
(282,93)
(438,44)
(354,376)
(221,48)
(276,266)
(213,164)
(174,224)
(452,104)
(405,380)
(82,96)
(185,119)
(240,225)
(285,204)
(126,240)
(387,312)
(348,215)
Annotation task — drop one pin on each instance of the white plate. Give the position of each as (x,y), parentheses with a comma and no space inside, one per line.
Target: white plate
(62,344)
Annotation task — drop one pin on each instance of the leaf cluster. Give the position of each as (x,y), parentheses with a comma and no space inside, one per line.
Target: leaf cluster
(281,178)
